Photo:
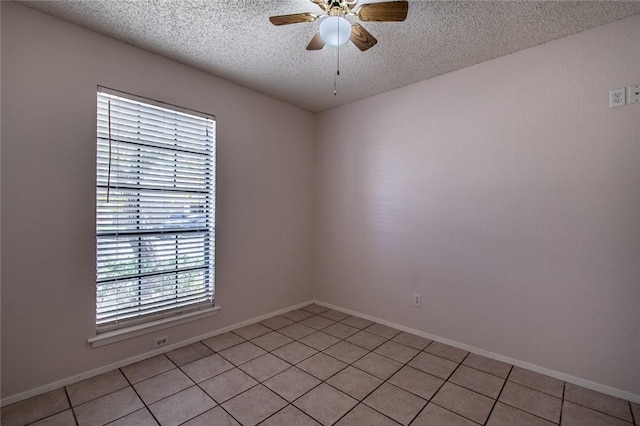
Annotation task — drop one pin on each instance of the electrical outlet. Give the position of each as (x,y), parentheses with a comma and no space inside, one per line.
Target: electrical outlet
(617,97)
(417,299)
(160,341)
(634,94)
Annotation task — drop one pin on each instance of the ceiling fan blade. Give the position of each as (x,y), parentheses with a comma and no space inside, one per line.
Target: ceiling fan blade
(362,38)
(386,11)
(316,42)
(292,19)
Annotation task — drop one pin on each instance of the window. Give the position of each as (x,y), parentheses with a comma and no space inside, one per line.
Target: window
(155,210)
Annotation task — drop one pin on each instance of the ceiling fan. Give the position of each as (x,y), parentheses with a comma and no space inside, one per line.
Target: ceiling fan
(335,29)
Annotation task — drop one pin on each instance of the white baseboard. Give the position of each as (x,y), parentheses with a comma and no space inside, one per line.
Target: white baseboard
(95,372)
(542,370)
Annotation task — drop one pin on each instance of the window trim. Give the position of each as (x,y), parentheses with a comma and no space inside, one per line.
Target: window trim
(129,332)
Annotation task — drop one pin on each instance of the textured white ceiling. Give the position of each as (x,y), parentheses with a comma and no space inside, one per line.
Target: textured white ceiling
(234,39)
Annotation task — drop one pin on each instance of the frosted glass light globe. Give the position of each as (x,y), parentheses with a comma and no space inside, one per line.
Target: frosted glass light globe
(335,30)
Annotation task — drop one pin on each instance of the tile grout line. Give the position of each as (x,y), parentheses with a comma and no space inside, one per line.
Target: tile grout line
(136,392)
(586,407)
(144,380)
(495,402)
(73,413)
(562,398)
(444,383)
(53,414)
(98,397)
(564,386)
(413,419)
(197,384)
(523,410)
(530,413)
(538,390)
(219,404)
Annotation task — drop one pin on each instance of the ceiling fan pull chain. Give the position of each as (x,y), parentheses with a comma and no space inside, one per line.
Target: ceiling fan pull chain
(335,77)
(338,68)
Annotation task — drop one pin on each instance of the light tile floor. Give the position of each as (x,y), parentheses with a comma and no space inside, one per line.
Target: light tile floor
(317,366)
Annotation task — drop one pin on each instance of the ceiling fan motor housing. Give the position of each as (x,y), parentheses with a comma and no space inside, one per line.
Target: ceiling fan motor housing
(338,7)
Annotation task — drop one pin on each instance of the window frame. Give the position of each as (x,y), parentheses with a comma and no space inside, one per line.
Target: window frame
(181,307)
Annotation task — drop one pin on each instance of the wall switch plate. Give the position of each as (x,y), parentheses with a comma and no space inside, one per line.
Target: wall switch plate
(634,94)
(617,97)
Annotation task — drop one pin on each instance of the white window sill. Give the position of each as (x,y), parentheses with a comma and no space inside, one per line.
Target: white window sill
(114,336)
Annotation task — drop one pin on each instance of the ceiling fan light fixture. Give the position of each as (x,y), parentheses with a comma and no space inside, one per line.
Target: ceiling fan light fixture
(335,30)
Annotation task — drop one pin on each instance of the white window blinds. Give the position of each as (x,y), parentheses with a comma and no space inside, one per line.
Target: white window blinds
(155,210)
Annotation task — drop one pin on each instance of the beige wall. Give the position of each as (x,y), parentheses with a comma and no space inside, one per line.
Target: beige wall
(507,194)
(50,70)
